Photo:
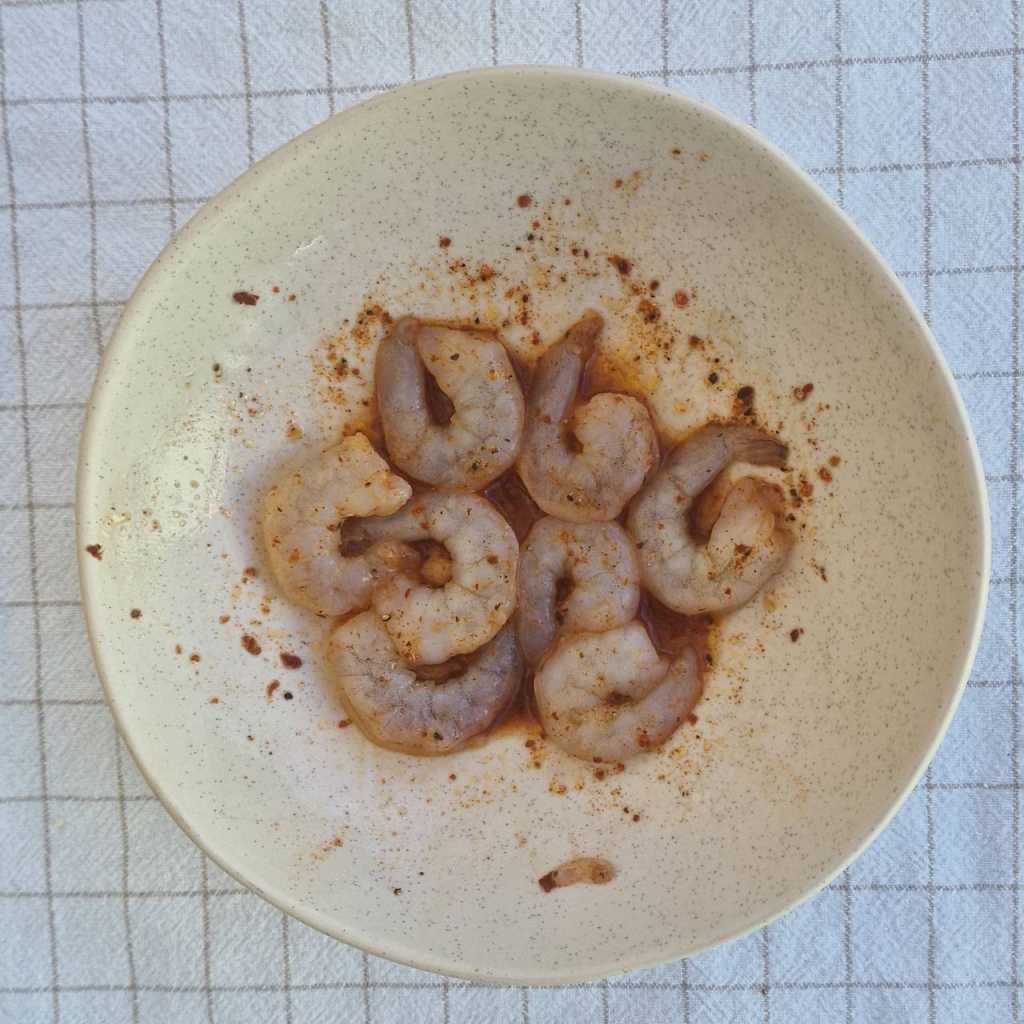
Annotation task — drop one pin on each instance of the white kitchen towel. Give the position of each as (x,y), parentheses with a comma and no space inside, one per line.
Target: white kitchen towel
(120,117)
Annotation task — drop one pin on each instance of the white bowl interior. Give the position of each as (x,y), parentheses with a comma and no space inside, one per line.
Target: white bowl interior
(802,749)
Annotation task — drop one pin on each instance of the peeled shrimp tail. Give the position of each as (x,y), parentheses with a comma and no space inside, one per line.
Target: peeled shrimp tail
(396,709)
(704,454)
(560,370)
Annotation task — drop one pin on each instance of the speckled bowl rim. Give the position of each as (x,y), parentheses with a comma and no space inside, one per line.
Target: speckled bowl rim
(422,959)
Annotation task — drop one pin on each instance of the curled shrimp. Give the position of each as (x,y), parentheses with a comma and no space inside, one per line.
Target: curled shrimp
(735,540)
(483,404)
(574,577)
(412,710)
(608,696)
(582,463)
(465,590)
(303,511)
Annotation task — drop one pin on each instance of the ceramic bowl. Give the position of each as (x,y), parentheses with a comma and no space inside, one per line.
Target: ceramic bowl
(457,197)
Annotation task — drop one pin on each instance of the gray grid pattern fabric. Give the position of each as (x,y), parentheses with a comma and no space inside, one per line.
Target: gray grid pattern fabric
(120,117)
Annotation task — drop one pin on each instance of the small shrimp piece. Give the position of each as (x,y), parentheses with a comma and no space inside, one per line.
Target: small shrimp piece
(399,707)
(574,578)
(589,870)
(708,544)
(463,600)
(481,422)
(582,463)
(608,696)
(303,511)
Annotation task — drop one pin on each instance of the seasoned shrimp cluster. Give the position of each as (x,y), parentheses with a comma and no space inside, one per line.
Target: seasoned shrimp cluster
(439,612)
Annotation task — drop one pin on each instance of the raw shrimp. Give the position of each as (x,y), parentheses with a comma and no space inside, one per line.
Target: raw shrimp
(607,696)
(735,541)
(480,438)
(399,708)
(574,578)
(303,511)
(468,592)
(582,463)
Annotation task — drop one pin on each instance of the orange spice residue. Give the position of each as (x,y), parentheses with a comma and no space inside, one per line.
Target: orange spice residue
(621,264)
(251,644)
